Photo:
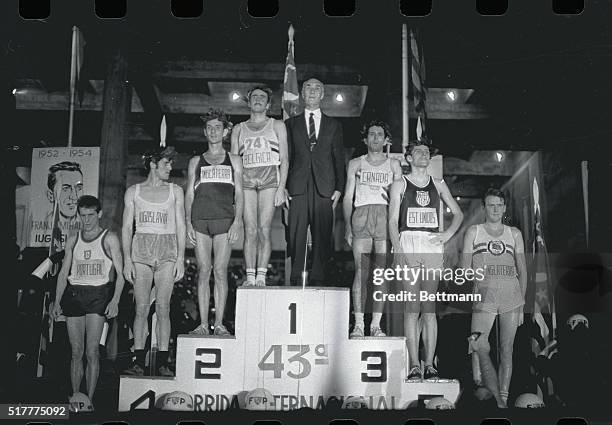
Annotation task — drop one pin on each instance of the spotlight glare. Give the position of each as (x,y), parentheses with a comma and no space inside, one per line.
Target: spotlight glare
(499,156)
(452,96)
(339,97)
(235,96)
(14,92)
(448,210)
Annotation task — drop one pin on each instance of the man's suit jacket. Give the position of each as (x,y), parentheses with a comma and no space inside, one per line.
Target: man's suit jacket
(326,159)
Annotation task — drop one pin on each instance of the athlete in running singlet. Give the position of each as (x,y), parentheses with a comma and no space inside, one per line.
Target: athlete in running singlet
(498,250)
(155,253)
(414,219)
(91,263)
(213,208)
(261,141)
(369,178)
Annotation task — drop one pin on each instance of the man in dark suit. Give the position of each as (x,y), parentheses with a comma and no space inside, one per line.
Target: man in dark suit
(315,181)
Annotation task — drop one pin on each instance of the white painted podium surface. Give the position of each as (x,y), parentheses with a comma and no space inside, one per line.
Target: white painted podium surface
(293,342)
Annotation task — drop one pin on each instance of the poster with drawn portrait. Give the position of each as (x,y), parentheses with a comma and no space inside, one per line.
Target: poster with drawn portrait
(62,175)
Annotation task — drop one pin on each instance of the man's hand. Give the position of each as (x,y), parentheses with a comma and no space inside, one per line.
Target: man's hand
(335,198)
(287,198)
(191,234)
(439,238)
(56,310)
(112,309)
(280,197)
(348,236)
(521,315)
(234,231)
(179,269)
(129,272)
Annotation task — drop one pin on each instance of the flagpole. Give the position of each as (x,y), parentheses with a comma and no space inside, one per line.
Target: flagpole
(405,111)
(73,72)
(584,165)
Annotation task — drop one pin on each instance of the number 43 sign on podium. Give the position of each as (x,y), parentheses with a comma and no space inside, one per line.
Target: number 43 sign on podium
(293,342)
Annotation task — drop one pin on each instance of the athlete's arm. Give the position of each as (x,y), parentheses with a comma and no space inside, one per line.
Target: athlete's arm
(396,167)
(113,246)
(281,134)
(235,139)
(179,267)
(236,226)
(519,258)
(127,230)
(349,194)
(189,194)
(450,202)
(468,247)
(394,207)
(62,277)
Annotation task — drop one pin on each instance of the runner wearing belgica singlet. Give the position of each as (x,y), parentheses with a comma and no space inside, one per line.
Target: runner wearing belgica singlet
(213,212)
(261,142)
(85,293)
(414,218)
(155,253)
(498,250)
(369,178)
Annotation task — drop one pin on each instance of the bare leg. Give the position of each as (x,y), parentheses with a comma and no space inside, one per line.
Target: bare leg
(411,326)
(429,322)
(508,324)
(250,228)
(482,322)
(223,251)
(360,246)
(380,249)
(266,210)
(142,295)
(164,283)
(203,251)
(94,324)
(76,335)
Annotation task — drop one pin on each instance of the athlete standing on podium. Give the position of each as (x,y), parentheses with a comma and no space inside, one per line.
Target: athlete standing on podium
(155,253)
(414,230)
(368,181)
(261,141)
(213,209)
(500,251)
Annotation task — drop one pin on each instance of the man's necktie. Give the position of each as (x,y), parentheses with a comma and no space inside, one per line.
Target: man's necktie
(312,131)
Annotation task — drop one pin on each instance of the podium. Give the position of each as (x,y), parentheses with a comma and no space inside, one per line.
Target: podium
(293,342)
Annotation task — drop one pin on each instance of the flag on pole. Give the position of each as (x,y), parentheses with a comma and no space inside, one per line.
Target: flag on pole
(291,94)
(56,244)
(79,49)
(418,82)
(162,132)
(544,315)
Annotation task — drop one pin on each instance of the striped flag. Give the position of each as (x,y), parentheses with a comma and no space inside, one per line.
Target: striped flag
(79,49)
(544,315)
(291,94)
(417,79)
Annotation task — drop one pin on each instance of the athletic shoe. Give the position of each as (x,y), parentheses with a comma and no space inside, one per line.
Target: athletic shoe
(377,332)
(221,330)
(260,282)
(414,374)
(134,370)
(431,373)
(165,371)
(358,332)
(200,330)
